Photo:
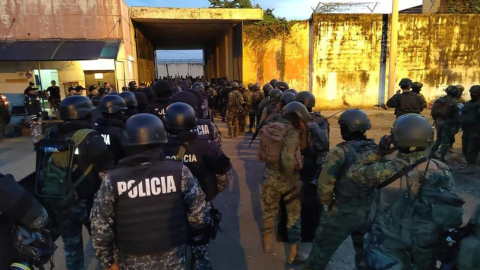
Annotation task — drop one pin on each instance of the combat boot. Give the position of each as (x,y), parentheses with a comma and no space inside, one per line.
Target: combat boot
(235,132)
(470,169)
(230,133)
(267,242)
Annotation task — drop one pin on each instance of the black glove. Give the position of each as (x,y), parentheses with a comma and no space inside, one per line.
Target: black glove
(384,146)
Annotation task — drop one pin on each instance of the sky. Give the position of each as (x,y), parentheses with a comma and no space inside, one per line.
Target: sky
(289,9)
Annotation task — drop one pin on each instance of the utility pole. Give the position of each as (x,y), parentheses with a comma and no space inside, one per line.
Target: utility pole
(393,50)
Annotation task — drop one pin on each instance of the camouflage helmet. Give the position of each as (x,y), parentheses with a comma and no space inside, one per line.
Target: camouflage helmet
(273,82)
(282,86)
(460,88)
(256,87)
(307,98)
(405,82)
(355,120)
(235,85)
(475,89)
(417,85)
(299,109)
(290,91)
(275,95)
(452,90)
(287,97)
(241,86)
(250,86)
(412,130)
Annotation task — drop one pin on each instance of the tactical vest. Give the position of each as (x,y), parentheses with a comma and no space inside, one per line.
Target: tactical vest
(112,134)
(470,114)
(271,108)
(152,217)
(205,129)
(195,159)
(347,192)
(318,137)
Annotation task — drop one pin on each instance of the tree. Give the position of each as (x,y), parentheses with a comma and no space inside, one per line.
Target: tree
(230,4)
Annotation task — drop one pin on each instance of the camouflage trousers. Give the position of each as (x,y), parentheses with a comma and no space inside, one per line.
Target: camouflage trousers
(36,131)
(232,121)
(383,253)
(334,228)
(242,121)
(445,133)
(170,260)
(471,144)
(273,189)
(69,223)
(201,258)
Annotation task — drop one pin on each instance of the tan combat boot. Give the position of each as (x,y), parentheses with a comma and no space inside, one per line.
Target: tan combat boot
(293,253)
(267,242)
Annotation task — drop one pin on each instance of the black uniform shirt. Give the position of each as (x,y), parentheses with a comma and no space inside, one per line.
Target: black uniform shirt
(112,132)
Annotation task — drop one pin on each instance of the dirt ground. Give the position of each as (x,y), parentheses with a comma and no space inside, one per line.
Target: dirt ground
(238,246)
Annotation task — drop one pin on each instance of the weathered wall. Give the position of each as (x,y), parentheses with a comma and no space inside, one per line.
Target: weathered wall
(280,52)
(180,68)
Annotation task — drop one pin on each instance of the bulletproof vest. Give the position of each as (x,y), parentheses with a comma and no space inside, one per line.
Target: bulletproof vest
(318,140)
(152,217)
(470,114)
(410,102)
(112,134)
(205,129)
(195,159)
(347,192)
(158,108)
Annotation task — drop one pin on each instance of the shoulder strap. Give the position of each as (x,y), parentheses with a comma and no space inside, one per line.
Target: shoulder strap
(181,152)
(402,172)
(78,138)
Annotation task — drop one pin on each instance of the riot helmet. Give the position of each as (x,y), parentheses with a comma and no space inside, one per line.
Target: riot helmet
(287,97)
(412,130)
(241,86)
(353,121)
(129,98)
(405,83)
(113,94)
(148,91)
(299,109)
(273,82)
(452,90)
(75,107)
(144,129)
(112,104)
(180,117)
(256,87)
(163,89)
(291,91)
(185,97)
(267,88)
(282,86)
(198,86)
(307,98)
(275,95)
(198,96)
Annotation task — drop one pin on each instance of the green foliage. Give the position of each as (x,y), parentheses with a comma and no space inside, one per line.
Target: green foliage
(230,4)
(462,6)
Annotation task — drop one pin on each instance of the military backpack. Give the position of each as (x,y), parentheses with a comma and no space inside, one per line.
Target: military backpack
(411,103)
(443,107)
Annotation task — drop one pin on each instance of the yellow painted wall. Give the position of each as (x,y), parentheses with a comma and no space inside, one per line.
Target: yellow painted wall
(282,56)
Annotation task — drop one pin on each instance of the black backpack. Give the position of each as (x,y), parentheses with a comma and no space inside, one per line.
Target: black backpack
(442,107)
(411,103)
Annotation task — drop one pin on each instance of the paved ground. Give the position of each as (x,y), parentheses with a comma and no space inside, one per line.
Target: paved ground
(238,246)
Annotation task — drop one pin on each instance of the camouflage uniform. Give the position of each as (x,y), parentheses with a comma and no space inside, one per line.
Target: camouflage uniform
(217,136)
(397,99)
(235,101)
(397,242)
(471,131)
(347,215)
(446,131)
(36,130)
(268,110)
(103,235)
(283,182)
(423,100)
(247,108)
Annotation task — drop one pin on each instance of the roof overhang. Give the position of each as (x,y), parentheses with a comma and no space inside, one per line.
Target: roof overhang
(58,50)
(188,28)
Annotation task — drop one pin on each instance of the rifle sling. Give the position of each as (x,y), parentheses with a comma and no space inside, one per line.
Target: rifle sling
(402,172)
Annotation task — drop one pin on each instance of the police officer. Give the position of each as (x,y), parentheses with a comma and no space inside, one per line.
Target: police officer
(274,98)
(285,98)
(148,207)
(470,121)
(344,201)
(205,160)
(142,101)
(34,112)
(406,101)
(282,86)
(131,102)
(284,180)
(273,83)
(407,221)
(461,102)
(205,128)
(198,86)
(148,91)
(112,125)
(75,111)
(163,93)
(93,91)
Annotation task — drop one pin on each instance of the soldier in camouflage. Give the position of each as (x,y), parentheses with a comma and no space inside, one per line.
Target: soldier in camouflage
(274,98)
(247,108)
(149,243)
(470,122)
(461,102)
(265,101)
(406,101)
(257,98)
(34,112)
(416,88)
(408,210)
(345,203)
(234,109)
(469,254)
(284,181)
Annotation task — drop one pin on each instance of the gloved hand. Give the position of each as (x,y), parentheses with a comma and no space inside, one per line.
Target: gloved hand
(385,146)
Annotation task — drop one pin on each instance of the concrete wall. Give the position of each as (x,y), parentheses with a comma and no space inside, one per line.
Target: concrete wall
(282,56)
(180,68)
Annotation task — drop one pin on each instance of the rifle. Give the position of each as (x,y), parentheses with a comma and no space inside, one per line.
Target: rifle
(257,130)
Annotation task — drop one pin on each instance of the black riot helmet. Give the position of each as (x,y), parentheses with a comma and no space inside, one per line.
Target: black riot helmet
(267,88)
(475,89)
(405,83)
(412,130)
(282,86)
(129,98)
(287,97)
(141,98)
(144,129)
(113,94)
(290,91)
(299,109)
(198,95)
(275,95)
(112,104)
(353,121)
(273,82)
(180,117)
(307,98)
(185,97)
(162,89)
(198,86)
(75,107)
(452,90)
(148,91)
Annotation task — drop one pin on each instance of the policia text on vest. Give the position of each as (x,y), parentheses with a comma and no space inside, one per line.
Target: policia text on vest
(149,187)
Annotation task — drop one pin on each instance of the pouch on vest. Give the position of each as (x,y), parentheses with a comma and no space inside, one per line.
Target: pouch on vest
(411,103)
(442,107)
(272,137)
(57,175)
